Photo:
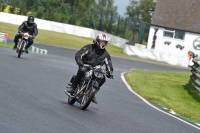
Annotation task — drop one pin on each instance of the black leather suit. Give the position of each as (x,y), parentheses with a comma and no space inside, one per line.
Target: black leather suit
(30,28)
(93,56)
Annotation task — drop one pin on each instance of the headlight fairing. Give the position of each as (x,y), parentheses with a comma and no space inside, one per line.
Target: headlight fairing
(98,72)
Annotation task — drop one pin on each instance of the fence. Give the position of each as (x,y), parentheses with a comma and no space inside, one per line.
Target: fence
(195,77)
(3,37)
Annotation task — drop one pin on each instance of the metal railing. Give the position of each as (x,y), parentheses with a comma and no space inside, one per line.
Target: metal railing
(3,37)
(195,77)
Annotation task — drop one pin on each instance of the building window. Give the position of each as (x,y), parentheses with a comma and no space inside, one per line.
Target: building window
(168,33)
(179,34)
(174,34)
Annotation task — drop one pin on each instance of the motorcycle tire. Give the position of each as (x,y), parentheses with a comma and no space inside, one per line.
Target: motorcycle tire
(71,100)
(21,48)
(87,98)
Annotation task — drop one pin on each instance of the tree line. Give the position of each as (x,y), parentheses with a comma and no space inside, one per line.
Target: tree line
(96,14)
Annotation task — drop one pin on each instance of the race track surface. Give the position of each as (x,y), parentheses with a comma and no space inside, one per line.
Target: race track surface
(32,98)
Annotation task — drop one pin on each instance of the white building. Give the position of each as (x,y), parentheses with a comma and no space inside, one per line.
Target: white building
(175,27)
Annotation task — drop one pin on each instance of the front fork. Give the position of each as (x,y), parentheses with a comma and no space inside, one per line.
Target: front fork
(20,45)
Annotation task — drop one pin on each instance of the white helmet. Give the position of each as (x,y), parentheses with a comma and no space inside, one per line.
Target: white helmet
(101,41)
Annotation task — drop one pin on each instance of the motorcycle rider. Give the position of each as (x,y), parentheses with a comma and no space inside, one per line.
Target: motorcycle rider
(30,27)
(92,54)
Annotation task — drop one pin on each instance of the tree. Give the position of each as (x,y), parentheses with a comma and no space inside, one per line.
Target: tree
(106,14)
(139,12)
(22,6)
(40,13)
(88,13)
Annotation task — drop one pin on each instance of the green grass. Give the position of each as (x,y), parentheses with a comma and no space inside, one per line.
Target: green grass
(56,38)
(169,88)
(66,40)
(6,45)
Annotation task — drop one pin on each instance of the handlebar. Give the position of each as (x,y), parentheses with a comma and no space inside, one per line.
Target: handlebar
(93,68)
(26,34)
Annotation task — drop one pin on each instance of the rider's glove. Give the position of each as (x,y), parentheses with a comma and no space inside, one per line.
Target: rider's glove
(31,37)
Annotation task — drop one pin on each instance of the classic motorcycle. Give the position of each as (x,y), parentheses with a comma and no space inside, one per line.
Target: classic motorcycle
(88,86)
(22,44)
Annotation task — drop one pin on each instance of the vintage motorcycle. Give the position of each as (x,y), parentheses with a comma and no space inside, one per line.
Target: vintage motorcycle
(88,86)
(22,44)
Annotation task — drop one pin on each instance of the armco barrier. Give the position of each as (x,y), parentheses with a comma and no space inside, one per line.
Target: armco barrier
(195,77)
(3,37)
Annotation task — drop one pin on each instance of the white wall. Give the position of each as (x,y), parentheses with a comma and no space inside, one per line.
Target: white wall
(160,46)
(170,58)
(63,28)
(164,53)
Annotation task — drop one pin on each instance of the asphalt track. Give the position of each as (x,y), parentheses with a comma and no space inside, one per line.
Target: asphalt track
(32,98)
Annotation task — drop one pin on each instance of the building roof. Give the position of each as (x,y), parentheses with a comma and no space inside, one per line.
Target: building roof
(178,14)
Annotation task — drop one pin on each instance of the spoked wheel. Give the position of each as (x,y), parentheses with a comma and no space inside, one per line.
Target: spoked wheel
(87,98)
(21,48)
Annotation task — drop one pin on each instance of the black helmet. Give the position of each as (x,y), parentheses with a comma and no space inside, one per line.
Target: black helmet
(31,18)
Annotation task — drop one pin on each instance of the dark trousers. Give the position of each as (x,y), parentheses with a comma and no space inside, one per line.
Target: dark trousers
(80,74)
(16,40)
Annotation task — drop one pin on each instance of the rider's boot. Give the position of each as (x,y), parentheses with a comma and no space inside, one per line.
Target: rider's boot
(74,84)
(94,100)
(15,46)
(69,89)
(26,49)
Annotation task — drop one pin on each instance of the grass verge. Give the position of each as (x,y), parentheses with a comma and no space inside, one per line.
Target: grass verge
(171,89)
(66,40)
(6,45)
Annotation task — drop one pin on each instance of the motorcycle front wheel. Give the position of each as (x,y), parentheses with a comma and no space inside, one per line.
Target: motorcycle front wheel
(21,48)
(71,100)
(87,98)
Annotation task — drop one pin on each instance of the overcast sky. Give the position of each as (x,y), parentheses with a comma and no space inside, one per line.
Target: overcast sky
(121,6)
